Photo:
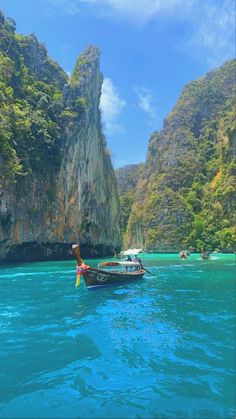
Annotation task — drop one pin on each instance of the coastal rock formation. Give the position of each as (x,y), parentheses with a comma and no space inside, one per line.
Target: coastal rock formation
(57,181)
(185,195)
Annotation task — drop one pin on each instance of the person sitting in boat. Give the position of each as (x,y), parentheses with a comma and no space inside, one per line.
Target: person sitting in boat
(128,259)
(205,254)
(139,263)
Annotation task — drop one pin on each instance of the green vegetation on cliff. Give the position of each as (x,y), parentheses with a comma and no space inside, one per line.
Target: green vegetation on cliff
(30,104)
(35,114)
(186,196)
(127,178)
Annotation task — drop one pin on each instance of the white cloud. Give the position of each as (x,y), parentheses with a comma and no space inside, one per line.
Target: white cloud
(146,101)
(143,10)
(213,37)
(71,7)
(111,106)
(137,10)
(211,22)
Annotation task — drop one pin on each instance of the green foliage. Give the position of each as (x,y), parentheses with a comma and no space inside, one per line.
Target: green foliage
(226,238)
(194,201)
(34,118)
(126,201)
(81,104)
(79,69)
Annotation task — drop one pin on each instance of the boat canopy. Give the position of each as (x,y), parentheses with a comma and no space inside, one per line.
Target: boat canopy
(131,252)
(122,263)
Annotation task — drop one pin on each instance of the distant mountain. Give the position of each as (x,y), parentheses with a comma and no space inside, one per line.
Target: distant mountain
(57,182)
(127,178)
(185,195)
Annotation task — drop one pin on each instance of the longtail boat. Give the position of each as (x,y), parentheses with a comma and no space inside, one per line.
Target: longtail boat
(205,254)
(114,272)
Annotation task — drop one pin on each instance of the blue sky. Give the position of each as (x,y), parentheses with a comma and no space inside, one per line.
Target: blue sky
(149,50)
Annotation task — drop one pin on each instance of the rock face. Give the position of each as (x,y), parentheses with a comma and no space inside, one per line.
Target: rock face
(87,197)
(66,190)
(127,177)
(185,196)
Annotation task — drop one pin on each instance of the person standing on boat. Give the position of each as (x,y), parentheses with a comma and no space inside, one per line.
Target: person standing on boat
(138,261)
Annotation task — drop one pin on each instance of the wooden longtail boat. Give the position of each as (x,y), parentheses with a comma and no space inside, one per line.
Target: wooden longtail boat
(121,272)
(205,256)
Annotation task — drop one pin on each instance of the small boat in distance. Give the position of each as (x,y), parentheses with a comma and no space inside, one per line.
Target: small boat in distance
(183,255)
(114,272)
(205,255)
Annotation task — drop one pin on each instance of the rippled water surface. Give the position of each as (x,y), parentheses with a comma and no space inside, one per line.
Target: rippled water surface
(162,347)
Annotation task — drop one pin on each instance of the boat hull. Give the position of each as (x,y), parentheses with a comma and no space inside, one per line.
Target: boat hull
(94,277)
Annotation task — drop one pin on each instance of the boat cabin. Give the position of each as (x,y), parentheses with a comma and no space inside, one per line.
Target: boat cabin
(121,266)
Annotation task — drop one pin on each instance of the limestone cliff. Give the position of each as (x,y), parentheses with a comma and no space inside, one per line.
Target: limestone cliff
(87,197)
(57,181)
(185,196)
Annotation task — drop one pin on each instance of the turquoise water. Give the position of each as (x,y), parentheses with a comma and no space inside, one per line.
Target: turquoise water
(162,347)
